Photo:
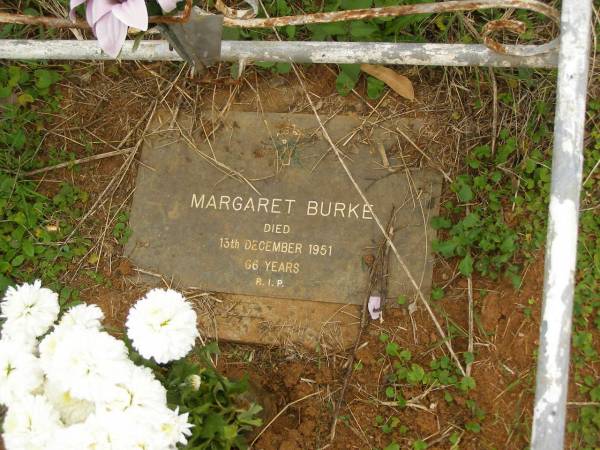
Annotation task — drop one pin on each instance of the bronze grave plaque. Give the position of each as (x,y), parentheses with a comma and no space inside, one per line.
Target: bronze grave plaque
(265,208)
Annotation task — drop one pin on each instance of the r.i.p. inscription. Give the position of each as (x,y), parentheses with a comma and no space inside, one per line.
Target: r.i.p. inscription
(266,209)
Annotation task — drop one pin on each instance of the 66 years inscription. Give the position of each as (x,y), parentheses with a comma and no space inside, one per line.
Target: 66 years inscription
(267,210)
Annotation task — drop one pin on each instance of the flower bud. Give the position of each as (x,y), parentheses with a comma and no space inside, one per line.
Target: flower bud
(194,381)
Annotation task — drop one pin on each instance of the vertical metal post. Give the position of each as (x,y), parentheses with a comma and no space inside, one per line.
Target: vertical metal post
(555,336)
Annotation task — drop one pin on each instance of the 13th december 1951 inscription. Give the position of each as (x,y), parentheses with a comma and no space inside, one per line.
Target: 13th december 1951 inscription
(267,210)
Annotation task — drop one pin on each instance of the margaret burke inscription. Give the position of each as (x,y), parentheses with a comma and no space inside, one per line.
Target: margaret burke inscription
(277,217)
(277,245)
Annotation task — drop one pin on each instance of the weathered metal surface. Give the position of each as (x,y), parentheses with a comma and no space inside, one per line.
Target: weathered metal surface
(300,52)
(197,40)
(266,210)
(552,382)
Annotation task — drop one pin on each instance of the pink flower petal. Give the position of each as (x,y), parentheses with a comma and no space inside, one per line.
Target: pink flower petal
(74,4)
(167,5)
(132,13)
(374,306)
(111,33)
(89,6)
(100,8)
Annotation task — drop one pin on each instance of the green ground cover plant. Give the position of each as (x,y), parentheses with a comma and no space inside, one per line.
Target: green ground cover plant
(33,226)
(440,374)
(473,229)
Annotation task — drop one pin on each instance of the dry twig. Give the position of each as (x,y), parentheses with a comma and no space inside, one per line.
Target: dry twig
(76,162)
(470,345)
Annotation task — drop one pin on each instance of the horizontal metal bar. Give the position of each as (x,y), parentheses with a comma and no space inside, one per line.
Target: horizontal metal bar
(291,51)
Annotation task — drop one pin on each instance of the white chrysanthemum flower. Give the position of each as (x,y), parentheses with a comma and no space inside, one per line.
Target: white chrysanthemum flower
(85,316)
(81,436)
(174,427)
(133,430)
(162,326)
(20,372)
(24,342)
(89,435)
(139,389)
(88,363)
(47,348)
(29,309)
(72,410)
(31,423)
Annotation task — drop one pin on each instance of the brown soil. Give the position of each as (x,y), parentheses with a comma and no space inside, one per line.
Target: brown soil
(108,99)
(502,370)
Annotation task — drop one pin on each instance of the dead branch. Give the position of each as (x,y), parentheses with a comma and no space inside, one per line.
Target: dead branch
(325,17)
(395,11)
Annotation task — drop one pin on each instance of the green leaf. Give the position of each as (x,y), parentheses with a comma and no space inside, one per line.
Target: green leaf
(264,64)
(416,374)
(23,99)
(439,223)
(18,139)
(505,150)
(467,383)
(5,91)
(282,67)
(392,446)
(465,194)
(375,87)
(5,267)
(14,73)
(466,265)
(28,249)
(392,349)
(473,427)
(45,78)
(419,445)
(445,248)
(405,355)
(362,30)
(347,78)
(471,220)
(454,438)
(17,260)
(437,293)
(290,30)
(400,400)
(390,392)
(320,32)
(213,424)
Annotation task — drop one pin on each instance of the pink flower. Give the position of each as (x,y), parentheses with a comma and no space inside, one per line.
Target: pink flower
(167,5)
(374,306)
(110,19)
